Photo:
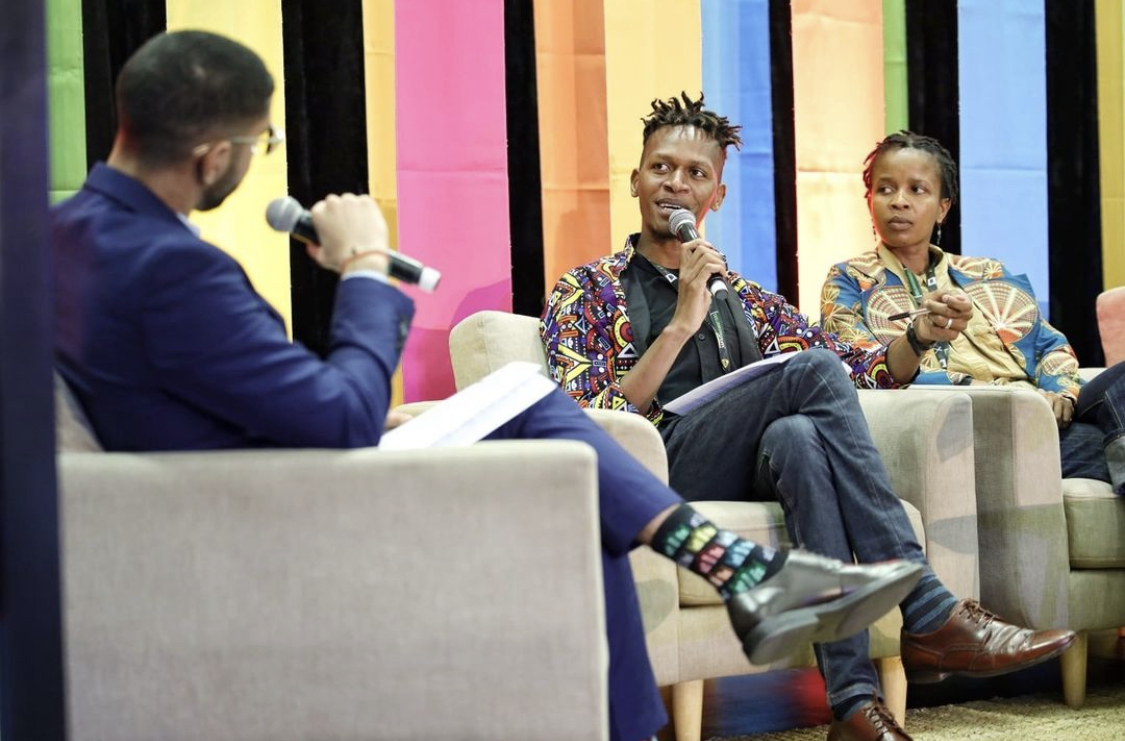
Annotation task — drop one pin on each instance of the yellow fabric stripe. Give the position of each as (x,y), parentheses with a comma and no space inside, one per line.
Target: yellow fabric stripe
(239,226)
(652,50)
(838,101)
(1111,136)
(571,84)
(382,163)
(379,72)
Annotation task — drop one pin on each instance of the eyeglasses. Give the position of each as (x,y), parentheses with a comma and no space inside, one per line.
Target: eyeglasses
(263,143)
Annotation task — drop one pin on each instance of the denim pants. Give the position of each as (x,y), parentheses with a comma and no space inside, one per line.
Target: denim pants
(797,435)
(1099,420)
(629,497)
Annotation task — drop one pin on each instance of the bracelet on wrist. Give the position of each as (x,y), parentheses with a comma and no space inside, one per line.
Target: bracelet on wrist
(356,256)
(916,344)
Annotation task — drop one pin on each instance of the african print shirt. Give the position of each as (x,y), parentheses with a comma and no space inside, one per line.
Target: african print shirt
(590,346)
(861,293)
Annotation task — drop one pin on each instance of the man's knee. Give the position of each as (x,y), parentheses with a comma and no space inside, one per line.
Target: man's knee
(795,434)
(820,359)
(824,365)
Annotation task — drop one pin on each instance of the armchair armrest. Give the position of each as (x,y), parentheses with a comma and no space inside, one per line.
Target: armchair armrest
(638,436)
(1023,533)
(926,442)
(334,594)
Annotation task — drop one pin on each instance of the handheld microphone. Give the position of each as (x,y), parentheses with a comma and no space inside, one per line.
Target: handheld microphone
(286,214)
(682,223)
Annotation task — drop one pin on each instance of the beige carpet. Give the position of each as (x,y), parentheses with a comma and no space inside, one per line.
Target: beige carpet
(1030,718)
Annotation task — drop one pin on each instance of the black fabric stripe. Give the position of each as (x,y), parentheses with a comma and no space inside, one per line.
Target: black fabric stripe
(525,205)
(784,149)
(111,31)
(933,91)
(33,691)
(326,136)
(1073,183)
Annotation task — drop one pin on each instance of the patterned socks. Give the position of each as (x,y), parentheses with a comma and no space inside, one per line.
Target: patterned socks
(732,564)
(928,606)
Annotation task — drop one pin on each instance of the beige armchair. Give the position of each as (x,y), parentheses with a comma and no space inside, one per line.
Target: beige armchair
(1054,547)
(926,444)
(315,594)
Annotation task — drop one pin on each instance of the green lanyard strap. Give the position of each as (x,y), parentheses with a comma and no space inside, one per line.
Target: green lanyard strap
(714,318)
(941,349)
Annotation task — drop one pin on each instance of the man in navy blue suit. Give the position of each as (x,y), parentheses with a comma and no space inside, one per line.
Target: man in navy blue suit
(168,347)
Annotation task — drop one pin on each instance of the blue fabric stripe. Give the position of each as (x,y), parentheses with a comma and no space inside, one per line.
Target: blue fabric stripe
(736,80)
(1002,49)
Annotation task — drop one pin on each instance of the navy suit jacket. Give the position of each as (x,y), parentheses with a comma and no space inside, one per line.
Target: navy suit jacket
(168,346)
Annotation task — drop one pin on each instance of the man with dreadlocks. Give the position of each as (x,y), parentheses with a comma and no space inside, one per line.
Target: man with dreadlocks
(640,326)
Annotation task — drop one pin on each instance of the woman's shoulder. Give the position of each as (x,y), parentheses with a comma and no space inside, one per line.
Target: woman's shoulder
(863,270)
(977,268)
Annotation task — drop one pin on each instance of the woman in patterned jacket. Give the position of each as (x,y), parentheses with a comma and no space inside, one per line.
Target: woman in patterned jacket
(870,300)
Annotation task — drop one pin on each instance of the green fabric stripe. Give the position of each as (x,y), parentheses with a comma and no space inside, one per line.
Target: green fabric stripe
(897,111)
(66,104)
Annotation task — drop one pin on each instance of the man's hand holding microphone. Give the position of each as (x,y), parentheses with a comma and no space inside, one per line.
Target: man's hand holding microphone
(701,271)
(346,233)
(352,235)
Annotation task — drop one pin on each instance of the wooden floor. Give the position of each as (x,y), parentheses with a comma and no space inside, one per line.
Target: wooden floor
(774,701)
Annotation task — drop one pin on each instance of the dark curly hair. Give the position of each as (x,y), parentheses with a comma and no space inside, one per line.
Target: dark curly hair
(672,112)
(947,168)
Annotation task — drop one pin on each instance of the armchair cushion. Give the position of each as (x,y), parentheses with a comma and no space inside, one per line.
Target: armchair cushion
(72,428)
(1110,308)
(281,594)
(1095,521)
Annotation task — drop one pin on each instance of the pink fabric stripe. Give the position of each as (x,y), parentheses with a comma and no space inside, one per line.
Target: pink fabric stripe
(452,173)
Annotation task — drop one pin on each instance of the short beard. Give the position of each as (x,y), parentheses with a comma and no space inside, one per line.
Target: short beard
(214,195)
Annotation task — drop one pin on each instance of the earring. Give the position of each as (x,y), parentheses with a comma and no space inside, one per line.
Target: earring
(938,242)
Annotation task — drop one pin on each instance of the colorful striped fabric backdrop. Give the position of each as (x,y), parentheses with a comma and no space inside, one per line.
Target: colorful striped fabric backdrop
(498,136)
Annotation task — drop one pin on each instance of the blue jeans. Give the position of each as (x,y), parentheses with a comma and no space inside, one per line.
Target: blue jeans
(1099,420)
(798,435)
(629,497)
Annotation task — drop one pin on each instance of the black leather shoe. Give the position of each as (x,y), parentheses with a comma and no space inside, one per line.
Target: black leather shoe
(816,599)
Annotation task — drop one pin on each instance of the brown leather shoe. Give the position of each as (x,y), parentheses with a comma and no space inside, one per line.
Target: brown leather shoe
(976,643)
(871,721)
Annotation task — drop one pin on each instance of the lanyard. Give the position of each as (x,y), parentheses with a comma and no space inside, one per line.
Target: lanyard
(714,318)
(941,349)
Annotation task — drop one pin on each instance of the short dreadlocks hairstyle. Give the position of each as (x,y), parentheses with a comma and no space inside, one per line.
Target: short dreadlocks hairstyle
(690,112)
(947,168)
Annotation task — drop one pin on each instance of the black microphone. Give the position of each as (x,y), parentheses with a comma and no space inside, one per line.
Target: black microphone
(286,214)
(682,223)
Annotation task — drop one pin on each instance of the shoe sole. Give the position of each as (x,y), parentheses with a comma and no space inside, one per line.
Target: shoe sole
(933,677)
(777,636)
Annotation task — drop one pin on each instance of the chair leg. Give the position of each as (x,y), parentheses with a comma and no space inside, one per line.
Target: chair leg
(892,679)
(687,710)
(1073,666)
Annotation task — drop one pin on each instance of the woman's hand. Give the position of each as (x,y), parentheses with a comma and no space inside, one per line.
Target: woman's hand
(950,312)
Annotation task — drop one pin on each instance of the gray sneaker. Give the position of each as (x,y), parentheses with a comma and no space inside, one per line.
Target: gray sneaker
(814,599)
